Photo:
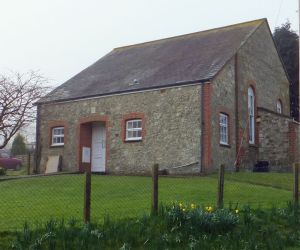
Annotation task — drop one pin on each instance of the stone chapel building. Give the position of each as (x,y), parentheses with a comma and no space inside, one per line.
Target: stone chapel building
(188,103)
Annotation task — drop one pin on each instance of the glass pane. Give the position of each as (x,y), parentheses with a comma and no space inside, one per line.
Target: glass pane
(139,124)
(129,134)
(135,124)
(139,133)
(129,124)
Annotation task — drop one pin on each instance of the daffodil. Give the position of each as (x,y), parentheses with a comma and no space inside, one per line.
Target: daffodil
(183,209)
(193,206)
(180,205)
(236,211)
(209,209)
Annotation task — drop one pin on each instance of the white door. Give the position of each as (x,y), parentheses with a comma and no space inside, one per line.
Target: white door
(98,148)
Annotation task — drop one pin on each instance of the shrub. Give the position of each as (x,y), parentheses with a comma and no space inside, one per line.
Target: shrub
(2,171)
(200,219)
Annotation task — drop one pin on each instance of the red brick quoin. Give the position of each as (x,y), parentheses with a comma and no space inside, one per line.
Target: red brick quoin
(206,160)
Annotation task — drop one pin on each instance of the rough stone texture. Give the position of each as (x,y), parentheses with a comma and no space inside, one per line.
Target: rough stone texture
(172,123)
(274,140)
(259,66)
(173,119)
(224,102)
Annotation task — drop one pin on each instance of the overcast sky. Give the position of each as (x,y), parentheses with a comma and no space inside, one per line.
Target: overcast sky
(62,37)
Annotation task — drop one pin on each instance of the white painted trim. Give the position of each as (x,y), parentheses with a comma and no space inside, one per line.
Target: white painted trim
(132,130)
(226,126)
(56,136)
(120,94)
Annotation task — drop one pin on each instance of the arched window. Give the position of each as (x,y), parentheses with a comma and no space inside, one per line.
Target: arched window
(251,115)
(279,106)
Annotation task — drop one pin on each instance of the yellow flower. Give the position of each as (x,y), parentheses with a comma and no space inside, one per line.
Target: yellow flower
(209,209)
(183,209)
(236,211)
(193,206)
(180,205)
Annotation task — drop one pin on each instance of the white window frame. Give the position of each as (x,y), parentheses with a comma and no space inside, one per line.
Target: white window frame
(279,106)
(133,129)
(61,135)
(251,115)
(224,128)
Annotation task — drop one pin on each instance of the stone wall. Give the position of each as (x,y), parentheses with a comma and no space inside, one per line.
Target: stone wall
(224,102)
(274,140)
(172,130)
(259,66)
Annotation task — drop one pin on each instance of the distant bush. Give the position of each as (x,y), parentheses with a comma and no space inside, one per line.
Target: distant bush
(2,171)
(18,145)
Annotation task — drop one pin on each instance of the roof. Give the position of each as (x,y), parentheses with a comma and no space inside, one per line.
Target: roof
(167,62)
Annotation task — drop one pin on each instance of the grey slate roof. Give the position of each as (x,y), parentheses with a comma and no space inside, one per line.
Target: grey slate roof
(172,61)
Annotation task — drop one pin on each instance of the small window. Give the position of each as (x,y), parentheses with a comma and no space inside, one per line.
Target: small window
(58,136)
(134,130)
(224,129)
(279,107)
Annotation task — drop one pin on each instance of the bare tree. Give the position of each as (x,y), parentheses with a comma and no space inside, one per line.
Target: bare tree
(18,93)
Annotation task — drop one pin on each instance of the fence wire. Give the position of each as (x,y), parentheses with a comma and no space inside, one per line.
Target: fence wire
(36,199)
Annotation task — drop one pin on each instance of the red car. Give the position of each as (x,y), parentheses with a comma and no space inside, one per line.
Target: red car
(8,162)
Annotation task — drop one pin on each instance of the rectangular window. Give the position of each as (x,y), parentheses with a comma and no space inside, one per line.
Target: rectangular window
(134,130)
(224,129)
(58,136)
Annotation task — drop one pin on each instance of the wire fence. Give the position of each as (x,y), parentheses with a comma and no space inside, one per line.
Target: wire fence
(38,198)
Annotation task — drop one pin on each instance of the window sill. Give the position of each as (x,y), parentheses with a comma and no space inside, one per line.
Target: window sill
(136,140)
(225,145)
(252,145)
(57,146)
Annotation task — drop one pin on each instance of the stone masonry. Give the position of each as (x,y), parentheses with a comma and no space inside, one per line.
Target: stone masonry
(172,124)
(181,126)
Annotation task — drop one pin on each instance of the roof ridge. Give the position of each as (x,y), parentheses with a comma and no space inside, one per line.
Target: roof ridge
(189,34)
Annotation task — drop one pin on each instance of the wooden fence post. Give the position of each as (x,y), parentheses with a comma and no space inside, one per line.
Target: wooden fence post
(87,196)
(28,163)
(296,183)
(154,208)
(220,199)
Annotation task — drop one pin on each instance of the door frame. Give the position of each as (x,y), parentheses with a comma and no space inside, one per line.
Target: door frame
(89,120)
(103,130)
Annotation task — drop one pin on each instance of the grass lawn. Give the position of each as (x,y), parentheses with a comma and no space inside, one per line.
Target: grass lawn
(41,198)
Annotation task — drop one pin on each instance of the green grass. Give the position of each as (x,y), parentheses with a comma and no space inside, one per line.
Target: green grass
(41,198)
(20,172)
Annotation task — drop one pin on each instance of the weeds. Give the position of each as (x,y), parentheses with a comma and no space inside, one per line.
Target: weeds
(177,226)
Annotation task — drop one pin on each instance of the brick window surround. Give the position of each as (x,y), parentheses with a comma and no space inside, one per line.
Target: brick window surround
(56,124)
(133,116)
